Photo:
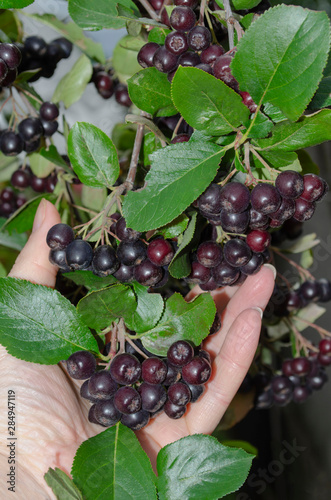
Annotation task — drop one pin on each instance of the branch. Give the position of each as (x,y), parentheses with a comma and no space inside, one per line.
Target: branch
(229,22)
(150,10)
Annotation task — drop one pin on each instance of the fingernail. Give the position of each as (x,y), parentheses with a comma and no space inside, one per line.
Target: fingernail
(259,310)
(40,215)
(273,269)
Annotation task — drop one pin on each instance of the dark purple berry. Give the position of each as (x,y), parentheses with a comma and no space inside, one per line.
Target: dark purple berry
(136,421)
(58,258)
(309,291)
(104,84)
(127,400)
(176,43)
(236,252)
(131,253)
(234,222)
(182,18)
(225,275)
(196,391)
(199,274)
(154,370)
(48,111)
(179,394)
(180,353)
(265,198)
(125,369)
(79,254)
(222,71)
(153,396)
(253,265)
(314,187)
(125,233)
(199,38)
(147,273)
(102,386)
(210,200)
(258,220)
(180,138)
(35,46)
(160,252)
(59,236)
(189,59)
(10,54)
(65,45)
(324,286)
(174,411)
(285,210)
(209,254)
(81,365)
(106,413)
(30,129)
(164,60)
(197,371)
(209,55)
(11,144)
(124,274)
(122,95)
(304,210)
(248,101)
(20,179)
(301,366)
(3,70)
(173,373)
(290,184)
(104,261)
(146,54)
(235,197)
(258,240)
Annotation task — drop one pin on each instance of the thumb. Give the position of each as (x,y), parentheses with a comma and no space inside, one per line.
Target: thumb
(32,264)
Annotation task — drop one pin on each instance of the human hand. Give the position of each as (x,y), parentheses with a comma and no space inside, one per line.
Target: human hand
(52,418)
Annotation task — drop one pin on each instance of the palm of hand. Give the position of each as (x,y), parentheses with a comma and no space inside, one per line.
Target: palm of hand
(52,418)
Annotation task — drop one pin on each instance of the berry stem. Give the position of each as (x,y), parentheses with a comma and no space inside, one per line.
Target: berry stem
(134,158)
(136,347)
(150,10)
(228,18)
(300,341)
(319,329)
(302,272)
(238,28)
(177,127)
(31,109)
(272,171)
(248,165)
(202,12)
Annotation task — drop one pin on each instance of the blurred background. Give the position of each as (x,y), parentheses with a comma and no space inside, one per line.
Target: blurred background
(293,443)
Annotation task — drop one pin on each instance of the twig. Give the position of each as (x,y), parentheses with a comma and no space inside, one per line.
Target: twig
(231,174)
(228,18)
(136,347)
(319,329)
(238,28)
(135,157)
(303,272)
(300,341)
(248,165)
(177,126)
(264,163)
(202,12)
(150,10)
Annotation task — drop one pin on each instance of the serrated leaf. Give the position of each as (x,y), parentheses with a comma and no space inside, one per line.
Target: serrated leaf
(280,160)
(290,46)
(26,75)
(179,174)
(149,310)
(307,164)
(304,243)
(113,466)
(71,87)
(100,308)
(90,15)
(151,144)
(245,4)
(174,228)
(3,272)
(38,324)
(150,91)
(93,155)
(73,33)
(180,265)
(207,103)
(199,466)
(273,112)
(90,280)
(322,98)
(62,486)
(308,131)
(181,320)
(22,220)
(40,166)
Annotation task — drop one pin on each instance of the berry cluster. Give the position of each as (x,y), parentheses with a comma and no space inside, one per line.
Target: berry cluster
(10,59)
(10,202)
(299,378)
(132,392)
(132,260)
(107,86)
(38,54)
(190,45)
(30,131)
(23,178)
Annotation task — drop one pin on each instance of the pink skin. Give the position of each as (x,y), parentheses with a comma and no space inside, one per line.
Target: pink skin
(52,418)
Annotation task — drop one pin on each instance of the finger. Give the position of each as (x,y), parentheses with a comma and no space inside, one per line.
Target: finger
(254,292)
(229,370)
(32,264)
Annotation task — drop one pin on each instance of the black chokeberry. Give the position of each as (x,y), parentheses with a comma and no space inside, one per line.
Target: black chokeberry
(81,365)
(79,254)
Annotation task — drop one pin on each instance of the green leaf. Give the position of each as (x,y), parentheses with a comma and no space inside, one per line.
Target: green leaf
(15,4)
(290,46)
(244,445)
(180,265)
(307,259)
(280,160)
(22,219)
(123,136)
(93,155)
(73,33)
(150,91)
(71,87)
(62,486)
(90,15)
(151,144)
(51,154)
(307,164)
(10,24)
(26,75)
(273,113)
(207,103)
(40,166)
(149,310)
(261,128)
(113,466)
(89,280)
(245,4)
(174,228)
(158,35)
(181,320)
(199,466)
(38,324)
(32,96)
(322,98)
(124,59)
(13,240)
(149,124)
(93,198)
(101,307)
(308,131)
(178,175)
(8,165)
